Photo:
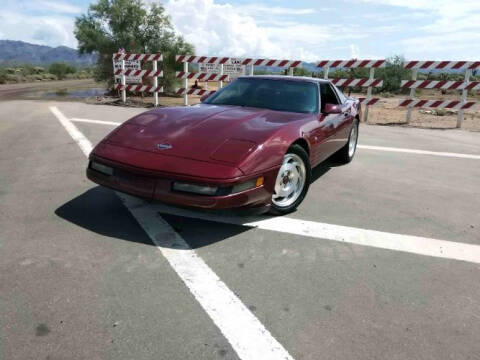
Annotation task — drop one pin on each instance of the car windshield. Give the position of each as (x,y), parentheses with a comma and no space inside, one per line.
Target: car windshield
(280,95)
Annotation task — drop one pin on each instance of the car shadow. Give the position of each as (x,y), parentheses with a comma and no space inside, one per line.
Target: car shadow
(100,210)
(321,169)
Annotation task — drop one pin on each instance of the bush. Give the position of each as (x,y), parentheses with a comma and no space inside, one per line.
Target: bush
(3,76)
(60,70)
(392,74)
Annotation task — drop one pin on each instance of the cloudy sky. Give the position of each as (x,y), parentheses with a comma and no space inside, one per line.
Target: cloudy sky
(305,29)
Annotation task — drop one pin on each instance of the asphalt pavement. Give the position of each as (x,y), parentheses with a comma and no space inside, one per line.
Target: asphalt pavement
(381,261)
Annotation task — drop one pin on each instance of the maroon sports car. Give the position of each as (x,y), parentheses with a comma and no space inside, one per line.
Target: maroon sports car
(251,144)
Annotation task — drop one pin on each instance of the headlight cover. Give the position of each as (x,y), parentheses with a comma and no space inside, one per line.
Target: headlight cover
(196,189)
(215,190)
(104,169)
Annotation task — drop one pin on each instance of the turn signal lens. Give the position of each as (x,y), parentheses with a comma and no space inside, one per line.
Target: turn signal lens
(259,181)
(247,185)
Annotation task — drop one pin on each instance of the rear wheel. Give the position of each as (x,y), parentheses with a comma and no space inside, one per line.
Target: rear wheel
(292,181)
(346,153)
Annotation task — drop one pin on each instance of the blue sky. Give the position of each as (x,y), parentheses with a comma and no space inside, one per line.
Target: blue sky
(304,30)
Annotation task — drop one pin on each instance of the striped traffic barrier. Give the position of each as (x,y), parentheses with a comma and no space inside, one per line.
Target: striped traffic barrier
(464,86)
(440,85)
(368,102)
(357,82)
(200,76)
(354,63)
(142,73)
(201,59)
(139,88)
(439,65)
(243,61)
(142,57)
(199,92)
(443,104)
(123,72)
(223,61)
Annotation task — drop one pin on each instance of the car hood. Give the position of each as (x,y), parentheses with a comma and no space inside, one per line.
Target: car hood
(202,132)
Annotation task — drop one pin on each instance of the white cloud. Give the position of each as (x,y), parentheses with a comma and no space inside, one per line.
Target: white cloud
(455,29)
(219,29)
(253,30)
(50,30)
(354,51)
(54,6)
(44,22)
(257,9)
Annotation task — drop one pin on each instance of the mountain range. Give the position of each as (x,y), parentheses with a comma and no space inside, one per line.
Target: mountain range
(20,52)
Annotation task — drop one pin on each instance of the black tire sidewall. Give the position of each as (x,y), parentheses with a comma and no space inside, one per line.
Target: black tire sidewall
(350,158)
(343,156)
(300,151)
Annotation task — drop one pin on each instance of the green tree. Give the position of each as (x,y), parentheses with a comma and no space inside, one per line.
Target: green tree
(60,70)
(393,73)
(110,25)
(299,71)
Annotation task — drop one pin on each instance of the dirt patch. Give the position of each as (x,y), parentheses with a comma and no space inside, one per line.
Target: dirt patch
(387,112)
(42,90)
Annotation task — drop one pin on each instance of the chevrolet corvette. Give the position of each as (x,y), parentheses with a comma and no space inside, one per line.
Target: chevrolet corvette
(250,145)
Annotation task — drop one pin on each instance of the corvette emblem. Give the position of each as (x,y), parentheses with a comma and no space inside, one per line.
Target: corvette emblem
(164,146)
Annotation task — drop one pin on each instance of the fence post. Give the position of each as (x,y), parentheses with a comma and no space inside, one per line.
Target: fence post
(221,73)
(412,96)
(124,92)
(155,84)
(290,71)
(185,84)
(468,73)
(369,95)
(251,70)
(325,72)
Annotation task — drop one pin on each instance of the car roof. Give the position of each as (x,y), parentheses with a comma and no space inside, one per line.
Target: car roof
(286,77)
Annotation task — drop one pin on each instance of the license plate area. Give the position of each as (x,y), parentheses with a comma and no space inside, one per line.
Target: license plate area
(134,183)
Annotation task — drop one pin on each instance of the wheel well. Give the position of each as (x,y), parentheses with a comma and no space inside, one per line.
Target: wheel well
(303,143)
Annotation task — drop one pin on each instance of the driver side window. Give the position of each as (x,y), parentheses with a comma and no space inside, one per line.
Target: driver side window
(328,95)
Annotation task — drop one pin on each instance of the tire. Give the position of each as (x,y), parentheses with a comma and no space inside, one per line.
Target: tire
(293,181)
(346,153)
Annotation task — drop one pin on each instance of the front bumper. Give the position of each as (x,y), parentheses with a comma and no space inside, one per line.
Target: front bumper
(158,186)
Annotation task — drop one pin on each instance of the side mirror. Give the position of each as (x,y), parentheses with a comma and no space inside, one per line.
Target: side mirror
(332,109)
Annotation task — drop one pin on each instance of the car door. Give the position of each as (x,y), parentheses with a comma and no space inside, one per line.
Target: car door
(327,125)
(343,128)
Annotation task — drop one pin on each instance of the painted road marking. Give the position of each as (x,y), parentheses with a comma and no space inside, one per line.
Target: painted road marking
(367,147)
(84,144)
(245,333)
(372,238)
(420,152)
(99,122)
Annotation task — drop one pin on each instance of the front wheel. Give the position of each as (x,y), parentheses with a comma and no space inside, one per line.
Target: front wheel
(292,182)
(346,153)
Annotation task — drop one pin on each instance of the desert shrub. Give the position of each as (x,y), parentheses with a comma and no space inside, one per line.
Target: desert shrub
(392,74)
(60,70)
(3,76)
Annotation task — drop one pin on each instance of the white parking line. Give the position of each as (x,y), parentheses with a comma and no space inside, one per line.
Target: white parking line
(367,147)
(378,239)
(99,122)
(420,152)
(245,333)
